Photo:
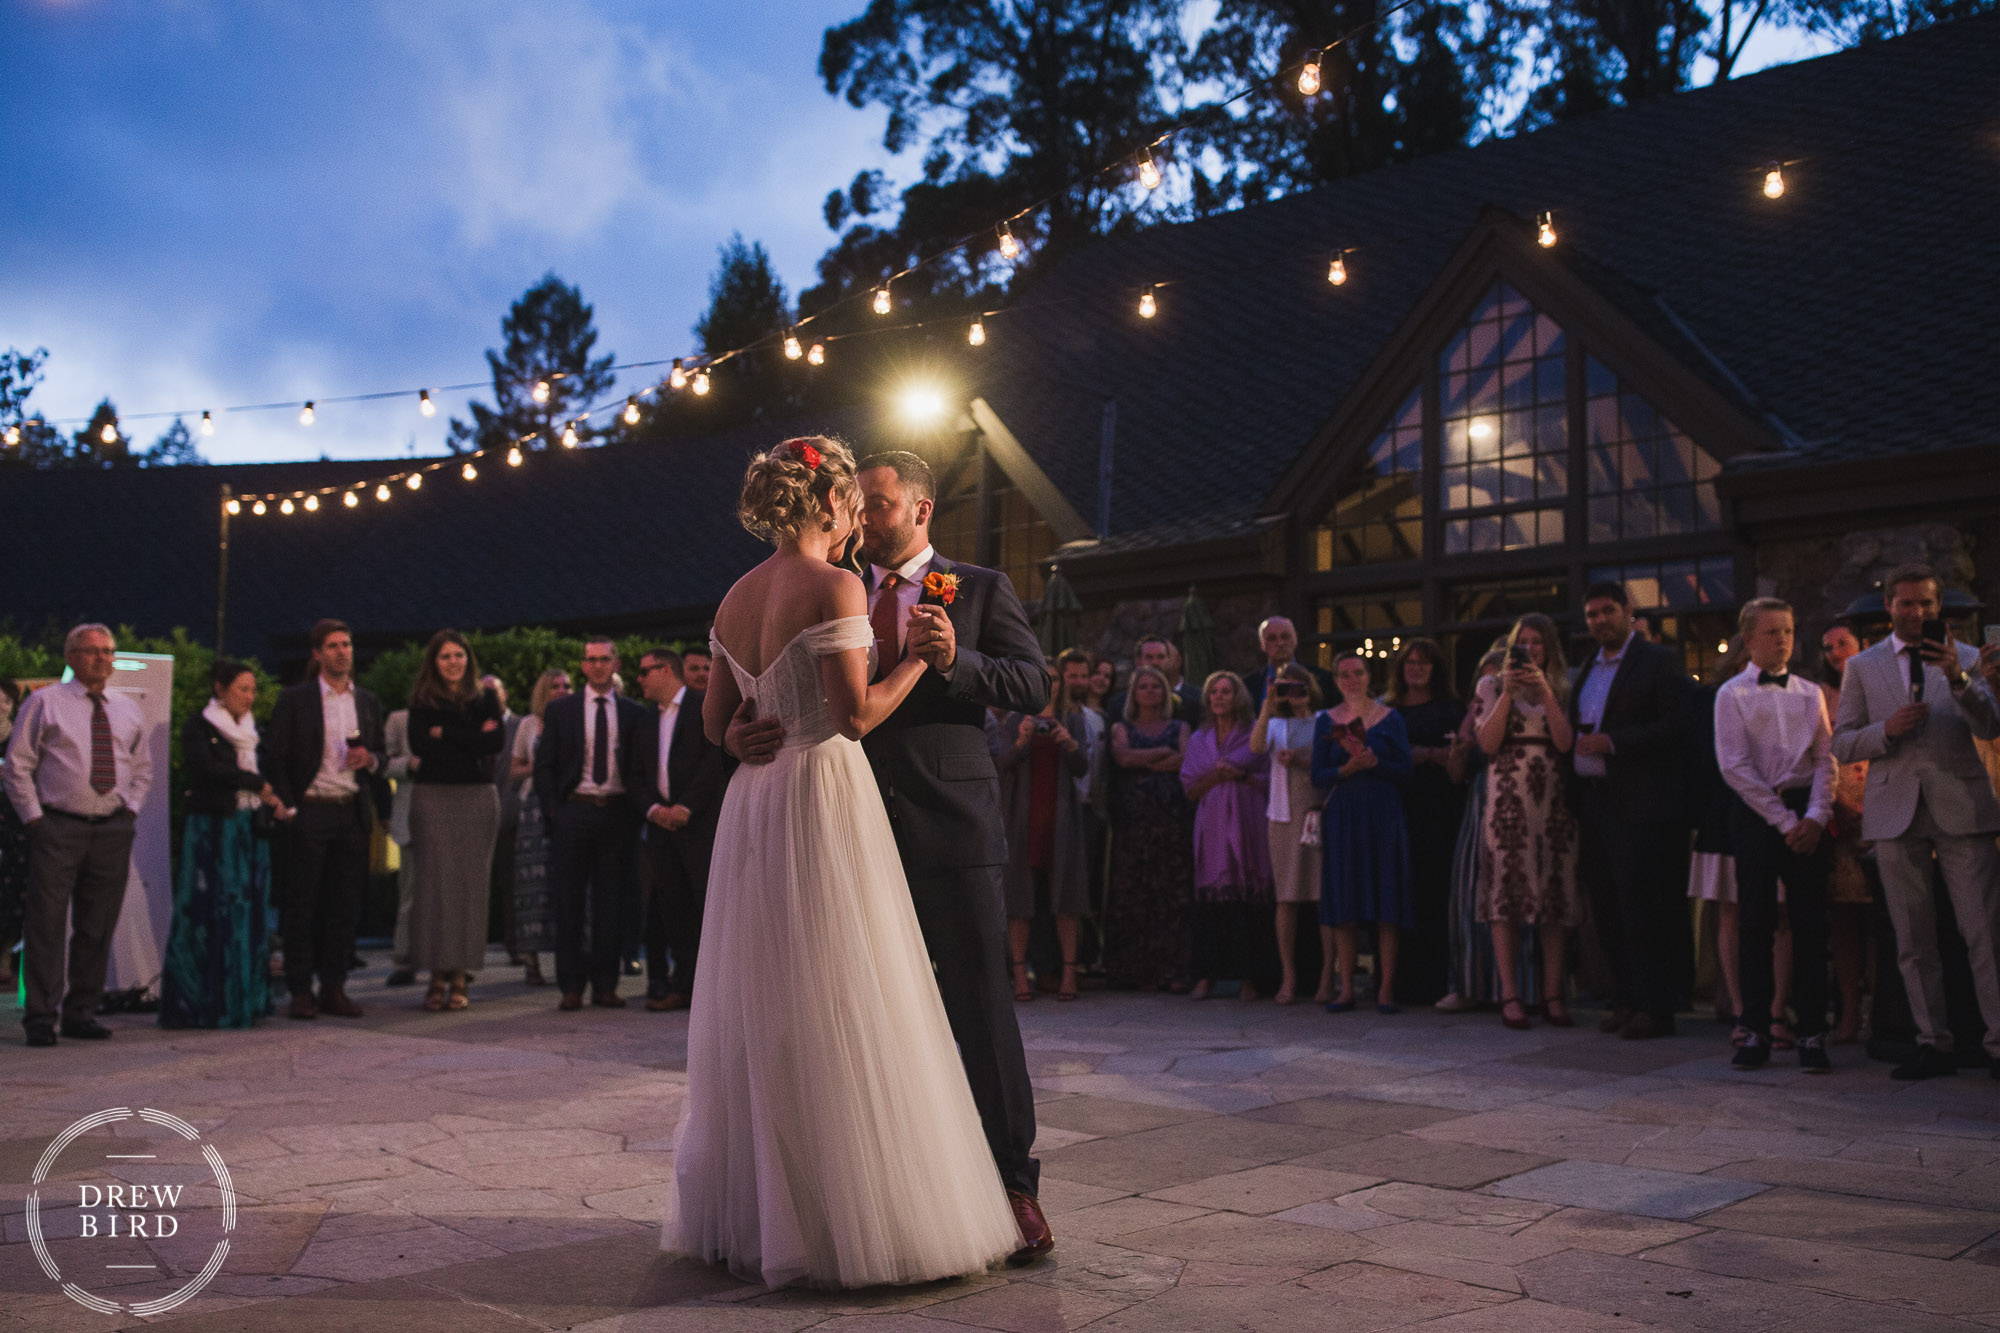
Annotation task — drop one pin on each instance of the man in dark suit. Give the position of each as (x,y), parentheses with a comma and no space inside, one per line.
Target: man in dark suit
(1279,638)
(322,754)
(943,794)
(1629,711)
(580,780)
(680,801)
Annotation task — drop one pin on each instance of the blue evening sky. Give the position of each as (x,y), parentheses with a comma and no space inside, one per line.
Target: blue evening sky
(212,203)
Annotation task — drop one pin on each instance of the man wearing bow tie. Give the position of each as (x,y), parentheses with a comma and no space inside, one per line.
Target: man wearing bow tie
(1774,744)
(1911,707)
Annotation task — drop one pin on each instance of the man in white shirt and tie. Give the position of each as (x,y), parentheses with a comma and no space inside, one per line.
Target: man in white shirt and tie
(1774,745)
(77,770)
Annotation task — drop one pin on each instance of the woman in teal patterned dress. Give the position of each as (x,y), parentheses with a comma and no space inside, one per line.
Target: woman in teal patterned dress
(217,968)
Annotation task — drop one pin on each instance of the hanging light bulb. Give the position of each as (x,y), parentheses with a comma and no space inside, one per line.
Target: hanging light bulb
(469,472)
(881,300)
(1309,77)
(306,414)
(1774,181)
(382,491)
(1336,272)
(1148,307)
(258,509)
(816,355)
(414,481)
(677,378)
(233,506)
(541,391)
(312,504)
(207,424)
(792,349)
(1009,247)
(514,456)
(976,335)
(1545,229)
(424,403)
(14,434)
(701,383)
(109,434)
(569,436)
(285,505)
(351,499)
(1723,645)
(631,413)
(1149,170)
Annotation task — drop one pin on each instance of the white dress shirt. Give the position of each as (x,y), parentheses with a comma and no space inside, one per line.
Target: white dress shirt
(668,717)
(1770,739)
(338,719)
(614,784)
(1933,673)
(907,593)
(1591,696)
(48,758)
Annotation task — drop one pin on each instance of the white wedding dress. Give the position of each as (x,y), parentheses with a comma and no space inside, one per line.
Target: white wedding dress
(829,1133)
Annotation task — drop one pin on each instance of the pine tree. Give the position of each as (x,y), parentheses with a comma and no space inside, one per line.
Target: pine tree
(549,335)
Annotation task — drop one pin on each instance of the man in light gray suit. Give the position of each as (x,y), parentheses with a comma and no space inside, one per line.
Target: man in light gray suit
(1910,706)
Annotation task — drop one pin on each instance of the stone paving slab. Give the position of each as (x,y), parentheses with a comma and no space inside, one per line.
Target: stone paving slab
(1206,1166)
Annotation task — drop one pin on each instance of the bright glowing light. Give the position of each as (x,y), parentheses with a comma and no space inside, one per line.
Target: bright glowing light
(1480,429)
(1148,307)
(921,403)
(424,403)
(1336,272)
(816,354)
(1723,645)
(258,508)
(677,378)
(976,335)
(382,491)
(514,456)
(701,383)
(1009,247)
(632,410)
(306,414)
(1309,77)
(14,433)
(207,425)
(469,472)
(351,499)
(1774,181)
(1149,171)
(414,481)
(792,349)
(881,300)
(1545,230)
(541,391)
(233,506)
(109,434)
(312,504)
(285,505)
(569,431)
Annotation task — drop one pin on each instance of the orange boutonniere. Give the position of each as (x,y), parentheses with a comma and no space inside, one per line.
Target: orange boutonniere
(940,588)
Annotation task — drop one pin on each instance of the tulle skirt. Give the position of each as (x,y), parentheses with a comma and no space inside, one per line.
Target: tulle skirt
(829,1135)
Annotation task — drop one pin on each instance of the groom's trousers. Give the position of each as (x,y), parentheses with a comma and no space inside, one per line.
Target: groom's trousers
(964,919)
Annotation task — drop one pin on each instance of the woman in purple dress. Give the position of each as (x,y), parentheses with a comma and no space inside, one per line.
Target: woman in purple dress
(1234,933)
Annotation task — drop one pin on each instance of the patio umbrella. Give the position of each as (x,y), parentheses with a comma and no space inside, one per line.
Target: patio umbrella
(1059,617)
(1199,651)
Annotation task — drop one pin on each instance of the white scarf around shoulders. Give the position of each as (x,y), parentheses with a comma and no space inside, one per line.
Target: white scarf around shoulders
(241,733)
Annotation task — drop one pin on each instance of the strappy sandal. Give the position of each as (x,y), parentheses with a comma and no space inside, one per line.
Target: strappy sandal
(459,999)
(434,998)
(1067,991)
(1023,992)
(1514,1014)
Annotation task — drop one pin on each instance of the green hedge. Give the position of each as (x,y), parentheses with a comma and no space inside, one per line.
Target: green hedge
(518,656)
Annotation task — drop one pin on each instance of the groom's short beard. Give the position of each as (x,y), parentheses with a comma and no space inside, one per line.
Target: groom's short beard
(892,544)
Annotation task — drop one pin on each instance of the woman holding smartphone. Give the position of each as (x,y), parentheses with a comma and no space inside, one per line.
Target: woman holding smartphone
(1529,836)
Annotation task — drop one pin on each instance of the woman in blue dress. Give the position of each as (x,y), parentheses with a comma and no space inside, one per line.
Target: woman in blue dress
(1360,749)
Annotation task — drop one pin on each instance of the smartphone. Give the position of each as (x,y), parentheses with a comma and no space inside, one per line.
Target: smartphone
(1993,634)
(1043,724)
(1934,630)
(1517,655)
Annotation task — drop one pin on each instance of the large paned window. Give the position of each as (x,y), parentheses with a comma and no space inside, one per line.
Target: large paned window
(1021,540)
(1380,518)
(1373,623)
(1647,478)
(1503,401)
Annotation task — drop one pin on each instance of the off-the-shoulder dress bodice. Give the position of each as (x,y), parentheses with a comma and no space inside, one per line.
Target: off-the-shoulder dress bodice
(789,688)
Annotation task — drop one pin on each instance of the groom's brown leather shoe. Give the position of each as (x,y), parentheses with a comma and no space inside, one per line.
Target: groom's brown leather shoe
(1036,1238)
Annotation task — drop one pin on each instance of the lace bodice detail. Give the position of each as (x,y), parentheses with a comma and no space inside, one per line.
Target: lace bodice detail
(789,688)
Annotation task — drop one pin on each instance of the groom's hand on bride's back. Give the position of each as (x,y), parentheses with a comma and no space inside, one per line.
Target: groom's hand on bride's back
(749,740)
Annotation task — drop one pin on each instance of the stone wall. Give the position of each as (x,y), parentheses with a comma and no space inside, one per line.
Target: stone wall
(1821,575)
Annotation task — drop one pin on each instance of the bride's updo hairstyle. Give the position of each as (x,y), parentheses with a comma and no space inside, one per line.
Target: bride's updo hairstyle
(795,485)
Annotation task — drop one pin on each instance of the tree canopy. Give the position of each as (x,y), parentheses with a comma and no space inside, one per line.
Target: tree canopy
(548,338)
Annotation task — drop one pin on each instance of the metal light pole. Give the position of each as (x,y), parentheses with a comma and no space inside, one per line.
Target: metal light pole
(222,575)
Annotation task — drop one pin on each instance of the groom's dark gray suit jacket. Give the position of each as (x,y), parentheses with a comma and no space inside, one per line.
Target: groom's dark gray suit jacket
(930,756)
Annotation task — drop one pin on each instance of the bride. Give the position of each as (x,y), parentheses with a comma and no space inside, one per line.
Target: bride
(829,1133)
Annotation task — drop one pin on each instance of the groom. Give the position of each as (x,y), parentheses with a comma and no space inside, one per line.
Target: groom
(942,793)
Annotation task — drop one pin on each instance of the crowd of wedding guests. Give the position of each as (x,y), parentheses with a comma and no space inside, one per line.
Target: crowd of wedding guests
(1537,842)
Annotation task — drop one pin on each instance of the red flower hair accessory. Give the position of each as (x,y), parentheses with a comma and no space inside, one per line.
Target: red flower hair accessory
(805,453)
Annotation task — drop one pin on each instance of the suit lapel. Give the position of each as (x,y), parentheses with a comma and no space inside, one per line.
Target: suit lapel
(1620,675)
